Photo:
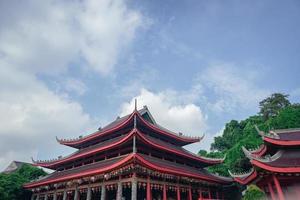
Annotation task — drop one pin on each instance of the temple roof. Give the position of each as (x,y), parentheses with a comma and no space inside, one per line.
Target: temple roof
(53,163)
(285,160)
(179,169)
(13,166)
(144,116)
(79,172)
(245,177)
(282,137)
(108,144)
(104,166)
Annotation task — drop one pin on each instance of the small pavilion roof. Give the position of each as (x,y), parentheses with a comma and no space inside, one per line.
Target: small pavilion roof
(282,137)
(287,160)
(105,166)
(245,177)
(108,144)
(121,122)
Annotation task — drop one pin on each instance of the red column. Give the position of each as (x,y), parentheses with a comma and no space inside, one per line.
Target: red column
(178,192)
(200,195)
(209,194)
(271,191)
(148,189)
(278,188)
(217,194)
(165,192)
(190,193)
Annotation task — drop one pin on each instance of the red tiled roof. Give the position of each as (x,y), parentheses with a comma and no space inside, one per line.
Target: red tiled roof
(111,164)
(52,164)
(126,120)
(79,172)
(108,144)
(183,170)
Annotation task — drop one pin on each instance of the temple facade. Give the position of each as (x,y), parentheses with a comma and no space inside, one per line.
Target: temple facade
(276,165)
(132,158)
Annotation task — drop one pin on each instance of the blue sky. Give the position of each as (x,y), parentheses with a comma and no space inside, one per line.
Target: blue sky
(68,67)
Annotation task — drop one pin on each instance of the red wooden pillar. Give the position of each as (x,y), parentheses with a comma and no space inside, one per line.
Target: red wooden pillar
(209,194)
(278,188)
(200,195)
(148,189)
(178,193)
(165,192)
(217,194)
(190,193)
(271,191)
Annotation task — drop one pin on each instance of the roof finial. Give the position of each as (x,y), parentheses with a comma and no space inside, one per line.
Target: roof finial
(135,104)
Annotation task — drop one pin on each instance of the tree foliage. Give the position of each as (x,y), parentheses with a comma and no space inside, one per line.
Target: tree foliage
(254,193)
(243,133)
(11,185)
(270,106)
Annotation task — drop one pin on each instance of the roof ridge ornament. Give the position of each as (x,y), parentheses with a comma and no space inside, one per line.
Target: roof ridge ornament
(271,134)
(262,133)
(267,158)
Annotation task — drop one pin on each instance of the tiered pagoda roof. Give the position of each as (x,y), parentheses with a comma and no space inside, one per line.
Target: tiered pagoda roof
(141,129)
(279,154)
(144,117)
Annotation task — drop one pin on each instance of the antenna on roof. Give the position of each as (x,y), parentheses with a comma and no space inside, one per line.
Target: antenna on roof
(135,104)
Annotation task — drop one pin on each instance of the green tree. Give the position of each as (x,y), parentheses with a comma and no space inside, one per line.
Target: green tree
(254,193)
(11,185)
(243,133)
(271,106)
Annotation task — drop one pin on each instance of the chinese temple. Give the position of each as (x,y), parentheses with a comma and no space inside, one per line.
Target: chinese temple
(132,158)
(276,165)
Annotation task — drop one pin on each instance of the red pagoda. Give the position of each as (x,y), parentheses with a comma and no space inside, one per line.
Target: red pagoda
(131,158)
(276,165)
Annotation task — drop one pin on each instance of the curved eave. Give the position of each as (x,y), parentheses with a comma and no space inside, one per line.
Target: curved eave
(281,142)
(176,171)
(76,142)
(266,164)
(183,139)
(260,151)
(128,159)
(268,167)
(54,163)
(81,174)
(245,178)
(187,155)
(274,138)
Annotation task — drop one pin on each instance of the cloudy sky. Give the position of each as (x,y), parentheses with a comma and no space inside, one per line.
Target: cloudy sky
(68,67)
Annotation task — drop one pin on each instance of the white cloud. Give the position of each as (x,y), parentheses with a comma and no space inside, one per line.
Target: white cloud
(31,116)
(169,111)
(48,36)
(231,88)
(75,85)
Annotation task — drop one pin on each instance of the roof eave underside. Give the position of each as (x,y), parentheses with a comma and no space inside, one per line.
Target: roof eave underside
(95,169)
(284,161)
(123,139)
